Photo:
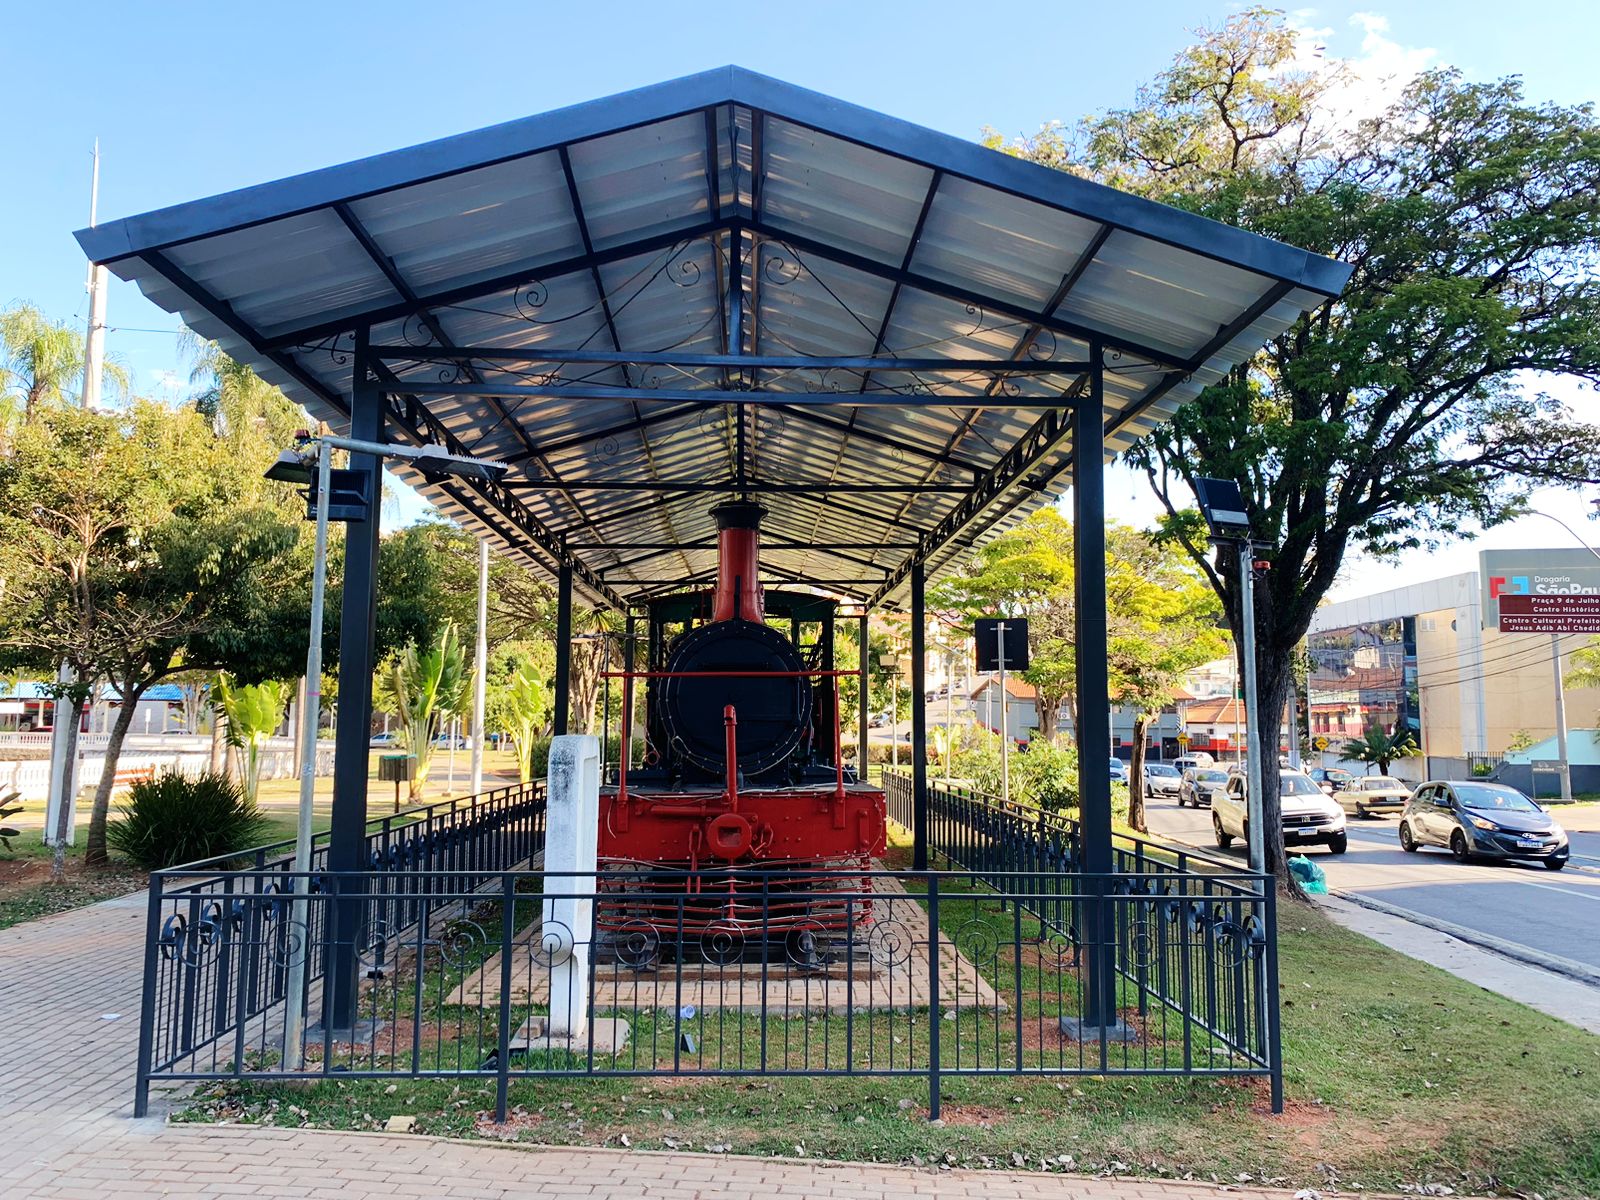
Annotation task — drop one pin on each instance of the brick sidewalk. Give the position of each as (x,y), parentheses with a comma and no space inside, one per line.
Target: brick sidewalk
(69,1003)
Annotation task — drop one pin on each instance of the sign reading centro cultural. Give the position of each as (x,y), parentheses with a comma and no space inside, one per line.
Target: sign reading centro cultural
(1540,591)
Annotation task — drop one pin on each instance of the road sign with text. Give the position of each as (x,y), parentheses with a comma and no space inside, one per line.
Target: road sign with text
(1561,613)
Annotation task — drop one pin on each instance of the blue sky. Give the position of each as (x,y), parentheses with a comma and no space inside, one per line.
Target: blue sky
(190,98)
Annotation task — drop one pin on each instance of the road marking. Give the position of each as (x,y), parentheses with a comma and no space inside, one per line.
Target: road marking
(1550,887)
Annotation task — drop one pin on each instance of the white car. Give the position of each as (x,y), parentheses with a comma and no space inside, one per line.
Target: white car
(1193,760)
(1162,779)
(1309,816)
(1373,794)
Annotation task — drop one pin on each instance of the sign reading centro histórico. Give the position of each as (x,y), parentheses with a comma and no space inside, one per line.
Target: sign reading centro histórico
(1550,614)
(1564,583)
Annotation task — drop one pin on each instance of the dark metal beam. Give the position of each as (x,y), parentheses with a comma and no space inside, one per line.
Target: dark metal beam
(659,417)
(767,362)
(563,681)
(766,544)
(1068,281)
(445,297)
(1045,436)
(960,295)
(879,439)
(591,391)
(689,486)
(1094,695)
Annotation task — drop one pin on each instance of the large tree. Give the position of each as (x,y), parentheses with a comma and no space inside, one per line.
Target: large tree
(1407,411)
(131,554)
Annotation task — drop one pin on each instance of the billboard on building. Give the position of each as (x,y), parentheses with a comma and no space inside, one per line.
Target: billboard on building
(1542,590)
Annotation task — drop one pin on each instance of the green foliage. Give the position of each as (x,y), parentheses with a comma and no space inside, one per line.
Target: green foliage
(41,365)
(1045,774)
(425,688)
(1406,411)
(539,754)
(1522,739)
(1380,749)
(175,819)
(254,713)
(517,700)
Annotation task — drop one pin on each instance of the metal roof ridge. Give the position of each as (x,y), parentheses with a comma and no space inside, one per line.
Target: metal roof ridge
(829,115)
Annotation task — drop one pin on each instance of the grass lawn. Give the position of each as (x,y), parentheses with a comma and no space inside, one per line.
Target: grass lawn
(1398,1075)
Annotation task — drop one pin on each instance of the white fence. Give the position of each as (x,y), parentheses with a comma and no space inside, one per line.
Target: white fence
(188,753)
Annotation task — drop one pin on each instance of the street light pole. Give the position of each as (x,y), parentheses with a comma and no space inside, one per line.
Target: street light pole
(294,999)
(1247,620)
(291,468)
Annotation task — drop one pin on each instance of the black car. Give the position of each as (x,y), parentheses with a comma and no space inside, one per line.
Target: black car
(1482,820)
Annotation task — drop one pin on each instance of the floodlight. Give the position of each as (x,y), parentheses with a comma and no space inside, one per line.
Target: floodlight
(1222,505)
(436,463)
(291,468)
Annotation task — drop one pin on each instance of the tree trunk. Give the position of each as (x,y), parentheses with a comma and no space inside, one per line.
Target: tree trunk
(219,747)
(58,858)
(1273,679)
(95,851)
(1049,715)
(1141,725)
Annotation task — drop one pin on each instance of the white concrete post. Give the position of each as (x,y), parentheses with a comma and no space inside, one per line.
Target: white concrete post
(571,844)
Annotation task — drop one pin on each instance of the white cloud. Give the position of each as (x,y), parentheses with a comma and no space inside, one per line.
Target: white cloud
(1373,78)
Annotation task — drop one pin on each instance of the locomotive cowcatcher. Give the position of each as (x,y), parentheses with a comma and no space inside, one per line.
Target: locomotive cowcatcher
(736,833)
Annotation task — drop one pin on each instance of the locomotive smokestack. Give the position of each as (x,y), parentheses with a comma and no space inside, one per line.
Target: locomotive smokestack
(738,593)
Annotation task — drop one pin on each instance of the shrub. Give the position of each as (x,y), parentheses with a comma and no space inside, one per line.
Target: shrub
(539,766)
(175,819)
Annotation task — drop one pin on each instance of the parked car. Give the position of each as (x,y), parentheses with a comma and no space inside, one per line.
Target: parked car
(446,741)
(877,720)
(1195,758)
(1368,794)
(1162,779)
(1330,779)
(381,741)
(1199,784)
(1308,815)
(1488,820)
(1119,771)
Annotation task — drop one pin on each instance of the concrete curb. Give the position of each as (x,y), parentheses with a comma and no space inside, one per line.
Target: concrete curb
(1554,963)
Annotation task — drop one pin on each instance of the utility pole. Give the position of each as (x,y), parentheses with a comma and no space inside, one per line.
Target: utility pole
(94,359)
(59,826)
(480,668)
(1561,720)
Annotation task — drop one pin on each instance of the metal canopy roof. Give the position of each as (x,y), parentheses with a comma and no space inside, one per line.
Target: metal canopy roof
(720,284)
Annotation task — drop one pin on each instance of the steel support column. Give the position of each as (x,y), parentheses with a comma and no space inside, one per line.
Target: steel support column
(864,700)
(563,649)
(1094,702)
(347,847)
(919,718)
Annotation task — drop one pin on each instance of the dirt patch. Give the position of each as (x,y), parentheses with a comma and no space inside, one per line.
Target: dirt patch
(27,891)
(518,1122)
(978,1116)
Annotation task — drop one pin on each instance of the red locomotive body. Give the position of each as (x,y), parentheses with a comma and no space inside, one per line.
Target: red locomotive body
(743,818)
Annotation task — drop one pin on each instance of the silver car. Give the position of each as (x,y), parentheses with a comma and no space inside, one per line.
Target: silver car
(1200,784)
(1162,779)
(1482,820)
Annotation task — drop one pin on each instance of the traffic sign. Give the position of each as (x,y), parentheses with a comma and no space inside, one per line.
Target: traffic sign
(1320,742)
(1183,739)
(1560,613)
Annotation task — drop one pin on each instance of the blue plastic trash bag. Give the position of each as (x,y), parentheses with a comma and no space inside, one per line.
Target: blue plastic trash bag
(1309,875)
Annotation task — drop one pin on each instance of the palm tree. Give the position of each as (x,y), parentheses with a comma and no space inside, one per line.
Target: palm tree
(1379,748)
(42,362)
(254,714)
(236,400)
(425,688)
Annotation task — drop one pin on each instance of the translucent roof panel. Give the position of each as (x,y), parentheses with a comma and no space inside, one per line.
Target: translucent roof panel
(647,303)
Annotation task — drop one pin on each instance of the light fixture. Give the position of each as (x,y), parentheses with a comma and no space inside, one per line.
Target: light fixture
(1222,505)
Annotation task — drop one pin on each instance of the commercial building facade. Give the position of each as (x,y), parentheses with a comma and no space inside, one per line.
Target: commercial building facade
(1431,659)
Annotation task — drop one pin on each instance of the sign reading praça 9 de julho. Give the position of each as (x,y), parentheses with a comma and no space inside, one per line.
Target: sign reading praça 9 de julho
(1540,591)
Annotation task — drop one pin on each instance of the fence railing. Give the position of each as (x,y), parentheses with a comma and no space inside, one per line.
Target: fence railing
(218,938)
(863,973)
(980,969)
(1001,842)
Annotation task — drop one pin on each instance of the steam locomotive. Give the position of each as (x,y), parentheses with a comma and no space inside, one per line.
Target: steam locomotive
(742,823)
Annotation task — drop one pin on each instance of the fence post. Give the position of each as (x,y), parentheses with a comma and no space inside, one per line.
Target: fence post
(933,997)
(1274,1031)
(508,929)
(147,1002)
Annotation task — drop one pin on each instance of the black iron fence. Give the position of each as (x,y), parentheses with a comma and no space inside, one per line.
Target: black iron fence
(218,938)
(1177,914)
(471,968)
(928,975)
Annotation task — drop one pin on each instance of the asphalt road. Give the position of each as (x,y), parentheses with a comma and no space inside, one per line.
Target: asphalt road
(1548,911)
